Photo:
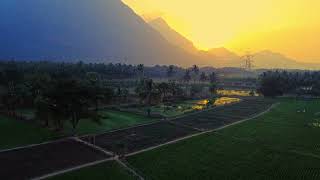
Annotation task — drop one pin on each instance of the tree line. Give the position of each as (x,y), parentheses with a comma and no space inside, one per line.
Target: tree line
(278,83)
(55,95)
(61,92)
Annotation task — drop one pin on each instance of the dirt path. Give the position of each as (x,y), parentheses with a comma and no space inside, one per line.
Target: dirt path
(204,132)
(115,130)
(126,165)
(115,157)
(73,169)
(32,145)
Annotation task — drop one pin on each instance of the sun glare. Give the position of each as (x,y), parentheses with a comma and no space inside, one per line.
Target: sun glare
(239,25)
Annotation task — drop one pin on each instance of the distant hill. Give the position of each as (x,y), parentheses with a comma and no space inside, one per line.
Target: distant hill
(107,31)
(88,30)
(217,57)
(222,57)
(271,60)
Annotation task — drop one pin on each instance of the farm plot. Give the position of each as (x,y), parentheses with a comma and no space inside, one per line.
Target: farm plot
(109,120)
(212,156)
(278,145)
(39,160)
(106,171)
(15,133)
(138,138)
(224,115)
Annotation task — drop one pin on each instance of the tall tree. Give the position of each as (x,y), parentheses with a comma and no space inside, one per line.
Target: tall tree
(213,89)
(163,89)
(203,77)
(11,76)
(213,77)
(94,88)
(187,76)
(140,71)
(195,69)
(145,91)
(170,71)
(43,110)
(270,85)
(69,100)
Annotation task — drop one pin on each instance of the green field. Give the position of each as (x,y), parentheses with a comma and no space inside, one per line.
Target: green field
(110,120)
(282,144)
(184,107)
(15,133)
(104,171)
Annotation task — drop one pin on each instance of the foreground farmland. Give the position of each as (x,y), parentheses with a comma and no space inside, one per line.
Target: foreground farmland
(135,139)
(224,115)
(277,145)
(110,120)
(104,171)
(132,140)
(26,163)
(70,154)
(14,133)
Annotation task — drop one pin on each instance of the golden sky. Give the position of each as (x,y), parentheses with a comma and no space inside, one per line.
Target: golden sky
(291,27)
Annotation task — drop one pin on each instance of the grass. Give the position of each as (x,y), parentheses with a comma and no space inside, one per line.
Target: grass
(105,171)
(28,113)
(282,144)
(110,120)
(185,107)
(285,128)
(14,133)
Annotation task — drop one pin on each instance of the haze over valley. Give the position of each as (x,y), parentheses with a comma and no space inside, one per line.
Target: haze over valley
(110,31)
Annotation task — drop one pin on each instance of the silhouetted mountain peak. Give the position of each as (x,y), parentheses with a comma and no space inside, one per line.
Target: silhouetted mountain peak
(171,35)
(274,60)
(159,20)
(88,30)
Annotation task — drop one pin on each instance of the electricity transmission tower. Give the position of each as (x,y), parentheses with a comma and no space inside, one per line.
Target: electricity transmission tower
(249,64)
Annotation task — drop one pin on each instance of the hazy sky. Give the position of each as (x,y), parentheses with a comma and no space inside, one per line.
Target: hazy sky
(291,27)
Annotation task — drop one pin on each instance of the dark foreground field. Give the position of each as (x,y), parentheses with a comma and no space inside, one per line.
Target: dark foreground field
(224,115)
(134,139)
(138,138)
(103,171)
(46,159)
(15,133)
(40,160)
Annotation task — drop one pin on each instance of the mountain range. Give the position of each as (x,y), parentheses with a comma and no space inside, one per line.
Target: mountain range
(95,30)
(106,31)
(222,57)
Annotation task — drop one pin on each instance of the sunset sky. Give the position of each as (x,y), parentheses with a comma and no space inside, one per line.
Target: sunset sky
(291,27)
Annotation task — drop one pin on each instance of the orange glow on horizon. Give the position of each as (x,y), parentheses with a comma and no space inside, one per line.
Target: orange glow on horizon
(290,27)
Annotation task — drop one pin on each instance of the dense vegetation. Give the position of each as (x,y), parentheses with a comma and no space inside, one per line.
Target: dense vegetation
(66,92)
(278,83)
(86,99)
